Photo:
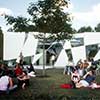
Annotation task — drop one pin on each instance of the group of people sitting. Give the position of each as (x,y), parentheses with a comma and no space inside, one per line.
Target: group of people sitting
(6,81)
(21,76)
(82,66)
(88,80)
(83,74)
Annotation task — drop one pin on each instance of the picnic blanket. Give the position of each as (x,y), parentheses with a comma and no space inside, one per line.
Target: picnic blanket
(66,86)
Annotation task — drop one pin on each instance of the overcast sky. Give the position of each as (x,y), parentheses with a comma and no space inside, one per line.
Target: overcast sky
(84,12)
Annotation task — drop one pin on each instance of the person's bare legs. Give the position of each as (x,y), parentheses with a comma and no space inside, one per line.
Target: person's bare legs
(23,86)
(79,85)
(98,86)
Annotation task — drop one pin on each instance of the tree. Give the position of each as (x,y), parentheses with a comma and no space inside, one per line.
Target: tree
(85,29)
(97,28)
(46,16)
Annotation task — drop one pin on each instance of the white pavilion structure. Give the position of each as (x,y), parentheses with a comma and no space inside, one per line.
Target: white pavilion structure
(79,47)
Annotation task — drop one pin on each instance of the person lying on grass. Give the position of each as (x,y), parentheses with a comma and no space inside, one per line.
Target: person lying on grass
(87,80)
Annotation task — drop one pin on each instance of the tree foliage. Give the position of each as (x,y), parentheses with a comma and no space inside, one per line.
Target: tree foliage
(85,29)
(19,24)
(97,28)
(48,17)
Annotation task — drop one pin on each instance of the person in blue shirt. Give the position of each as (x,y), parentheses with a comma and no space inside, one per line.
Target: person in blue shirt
(87,80)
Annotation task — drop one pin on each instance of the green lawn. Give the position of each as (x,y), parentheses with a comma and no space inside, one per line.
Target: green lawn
(48,88)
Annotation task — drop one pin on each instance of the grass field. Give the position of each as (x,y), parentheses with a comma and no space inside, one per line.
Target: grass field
(48,88)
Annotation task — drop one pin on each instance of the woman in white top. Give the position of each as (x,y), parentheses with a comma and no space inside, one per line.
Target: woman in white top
(6,83)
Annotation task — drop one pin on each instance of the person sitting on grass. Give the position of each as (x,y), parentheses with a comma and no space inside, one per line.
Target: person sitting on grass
(18,70)
(23,80)
(6,83)
(75,77)
(31,70)
(89,78)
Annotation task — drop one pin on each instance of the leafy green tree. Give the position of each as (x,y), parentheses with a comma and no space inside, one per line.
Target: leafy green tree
(97,28)
(46,16)
(85,29)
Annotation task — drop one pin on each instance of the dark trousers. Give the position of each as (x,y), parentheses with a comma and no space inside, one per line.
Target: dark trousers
(73,84)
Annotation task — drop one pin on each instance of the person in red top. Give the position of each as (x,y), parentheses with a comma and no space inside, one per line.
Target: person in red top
(18,70)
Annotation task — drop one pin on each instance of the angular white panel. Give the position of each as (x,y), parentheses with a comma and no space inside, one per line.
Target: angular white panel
(97,57)
(13,43)
(78,53)
(36,57)
(62,59)
(30,46)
